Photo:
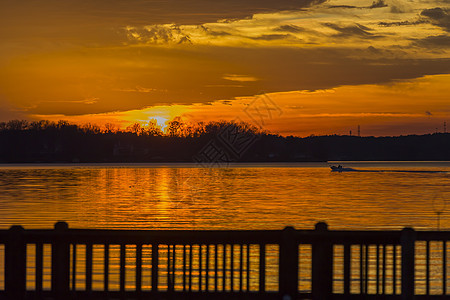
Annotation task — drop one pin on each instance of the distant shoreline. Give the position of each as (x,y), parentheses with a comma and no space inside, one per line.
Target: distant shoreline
(220,144)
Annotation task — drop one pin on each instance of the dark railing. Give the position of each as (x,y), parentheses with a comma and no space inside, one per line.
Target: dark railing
(179,264)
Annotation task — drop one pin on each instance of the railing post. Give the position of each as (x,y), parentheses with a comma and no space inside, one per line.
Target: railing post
(288,264)
(407,240)
(60,261)
(322,263)
(15,264)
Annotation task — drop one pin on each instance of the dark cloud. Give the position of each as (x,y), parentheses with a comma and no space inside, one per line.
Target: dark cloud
(185,40)
(374,50)
(289,28)
(344,6)
(214,32)
(158,34)
(402,23)
(380,53)
(375,4)
(139,12)
(99,22)
(437,41)
(351,30)
(439,17)
(436,13)
(273,37)
(378,3)
(398,8)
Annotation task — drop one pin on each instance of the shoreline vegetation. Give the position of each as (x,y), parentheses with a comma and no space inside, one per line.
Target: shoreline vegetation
(211,143)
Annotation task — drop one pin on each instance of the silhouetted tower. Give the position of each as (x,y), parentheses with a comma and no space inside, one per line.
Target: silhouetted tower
(445,127)
(359,131)
(350,133)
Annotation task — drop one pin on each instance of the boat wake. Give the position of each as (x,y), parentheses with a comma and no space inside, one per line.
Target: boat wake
(388,171)
(401,171)
(341,169)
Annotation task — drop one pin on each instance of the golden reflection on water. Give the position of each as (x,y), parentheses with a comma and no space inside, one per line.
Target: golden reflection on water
(238,197)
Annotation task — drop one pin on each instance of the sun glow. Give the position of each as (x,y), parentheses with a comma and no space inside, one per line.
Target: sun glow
(159,114)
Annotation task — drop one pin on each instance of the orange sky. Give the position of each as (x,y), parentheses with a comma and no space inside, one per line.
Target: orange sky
(324,67)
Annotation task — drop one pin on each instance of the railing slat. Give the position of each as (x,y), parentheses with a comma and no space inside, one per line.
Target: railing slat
(173,266)
(207,268)
(347,269)
(122,267)
(394,269)
(106,267)
(139,267)
(200,250)
(172,276)
(232,266)
(262,268)
(383,283)
(216,268)
(169,279)
(184,268)
(427,268)
(88,267)
(224,267)
(190,268)
(444,267)
(241,257)
(39,266)
(74,266)
(248,267)
(377,281)
(155,270)
(361,269)
(366,269)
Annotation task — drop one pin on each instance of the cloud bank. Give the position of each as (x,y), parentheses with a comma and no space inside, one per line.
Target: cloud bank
(133,54)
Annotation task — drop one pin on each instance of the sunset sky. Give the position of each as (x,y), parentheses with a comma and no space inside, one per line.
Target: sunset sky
(324,67)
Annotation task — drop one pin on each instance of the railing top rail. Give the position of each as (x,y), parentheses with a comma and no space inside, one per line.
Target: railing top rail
(359,237)
(104,236)
(139,236)
(432,235)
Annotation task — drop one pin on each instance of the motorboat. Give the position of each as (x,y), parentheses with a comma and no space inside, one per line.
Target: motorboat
(341,169)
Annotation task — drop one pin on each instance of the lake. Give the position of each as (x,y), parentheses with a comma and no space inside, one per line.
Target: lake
(382,195)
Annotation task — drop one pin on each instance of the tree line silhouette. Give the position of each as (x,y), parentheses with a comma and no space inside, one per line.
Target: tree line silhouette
(44,141)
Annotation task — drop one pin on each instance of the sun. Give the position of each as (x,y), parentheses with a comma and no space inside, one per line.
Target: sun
(161,122)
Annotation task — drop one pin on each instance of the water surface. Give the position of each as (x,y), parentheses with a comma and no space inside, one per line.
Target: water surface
(241,196)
